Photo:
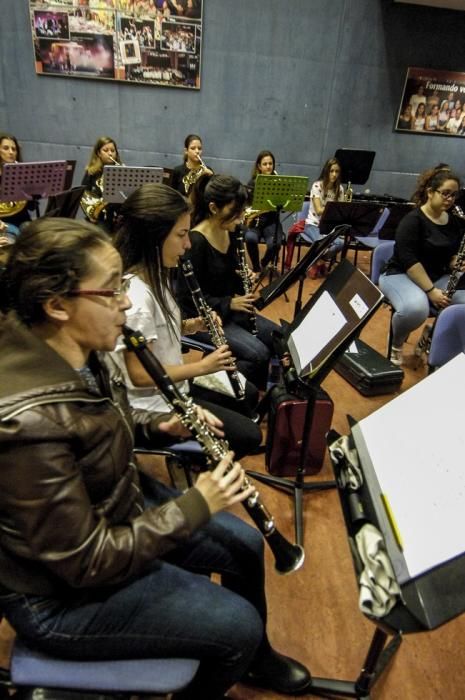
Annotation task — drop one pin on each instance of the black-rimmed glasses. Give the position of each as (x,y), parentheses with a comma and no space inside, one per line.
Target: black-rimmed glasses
(448,194)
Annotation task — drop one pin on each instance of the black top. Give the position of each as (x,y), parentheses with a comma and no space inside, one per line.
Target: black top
(176,178)
(420,240)
(216,274)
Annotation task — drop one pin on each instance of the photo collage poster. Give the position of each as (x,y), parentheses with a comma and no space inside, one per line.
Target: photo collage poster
(433,102)
(153,42)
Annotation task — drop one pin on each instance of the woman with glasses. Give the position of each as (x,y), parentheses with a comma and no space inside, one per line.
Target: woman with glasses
(91,571)
(427,242)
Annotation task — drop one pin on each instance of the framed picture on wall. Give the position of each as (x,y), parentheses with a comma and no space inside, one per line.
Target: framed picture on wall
(136,41)
(433,103)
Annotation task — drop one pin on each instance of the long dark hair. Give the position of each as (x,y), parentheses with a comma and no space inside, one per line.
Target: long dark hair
(187,142)
(49,258)
(432,178)
(258,160)
(219,190)
(145,220)
(324,177)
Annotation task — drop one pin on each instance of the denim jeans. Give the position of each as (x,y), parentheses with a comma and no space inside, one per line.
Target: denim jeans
(172,610)
(410,303)
(253,236)
(312,233)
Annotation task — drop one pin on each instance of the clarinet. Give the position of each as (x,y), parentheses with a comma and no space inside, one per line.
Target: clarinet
(217,335)
(288,557)
(245,276)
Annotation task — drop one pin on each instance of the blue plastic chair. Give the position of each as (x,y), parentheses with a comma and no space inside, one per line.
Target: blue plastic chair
(30,670)
(372,240)
(448,339)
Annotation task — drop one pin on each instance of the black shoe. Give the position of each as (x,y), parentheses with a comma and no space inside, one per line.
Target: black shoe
(281,674)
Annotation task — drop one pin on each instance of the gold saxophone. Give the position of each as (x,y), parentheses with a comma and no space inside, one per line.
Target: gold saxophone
(91,204)
(348,193)
(191,177)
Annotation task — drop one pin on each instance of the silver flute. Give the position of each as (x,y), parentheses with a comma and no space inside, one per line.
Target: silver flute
(244,273)
(214,329)
(288,557)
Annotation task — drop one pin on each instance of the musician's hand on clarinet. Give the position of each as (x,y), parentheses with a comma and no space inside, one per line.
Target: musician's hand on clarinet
(219,359)
(213,422)
(243,303)
(174,427)
(223,487)
(438,298)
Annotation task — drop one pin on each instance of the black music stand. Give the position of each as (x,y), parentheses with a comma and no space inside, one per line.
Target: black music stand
(318,335)
(355,165)
(119,181)
(278,193)
(431,588)
(298,272)
(32,181)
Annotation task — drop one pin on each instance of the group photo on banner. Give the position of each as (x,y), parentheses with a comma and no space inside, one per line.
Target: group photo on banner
(154,42)
(433,102)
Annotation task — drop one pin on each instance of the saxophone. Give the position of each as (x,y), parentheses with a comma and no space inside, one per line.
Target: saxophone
(191,177)
(215,330)
(244,273)
(11,208)
(288,557)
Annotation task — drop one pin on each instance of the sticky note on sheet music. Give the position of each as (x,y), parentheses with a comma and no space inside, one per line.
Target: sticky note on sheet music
(358,305)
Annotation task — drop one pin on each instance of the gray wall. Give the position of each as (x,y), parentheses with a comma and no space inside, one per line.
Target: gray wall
(302,77)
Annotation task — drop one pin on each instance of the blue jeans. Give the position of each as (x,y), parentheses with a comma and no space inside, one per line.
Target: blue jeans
(252,352)
(312,233)
(173,609)
(10,232)
(253,236)
(410,302)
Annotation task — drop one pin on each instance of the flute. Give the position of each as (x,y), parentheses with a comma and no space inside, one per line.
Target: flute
(288,557)
(215,330)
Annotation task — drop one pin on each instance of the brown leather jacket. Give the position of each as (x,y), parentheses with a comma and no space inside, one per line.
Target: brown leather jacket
(71,511)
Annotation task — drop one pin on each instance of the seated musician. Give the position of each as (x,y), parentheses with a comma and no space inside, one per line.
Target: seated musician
(12,214)
(266,226)
(427,241)
(96,210)
(89,571)
(153,235)
(215,253)
(326,189)
(184,176)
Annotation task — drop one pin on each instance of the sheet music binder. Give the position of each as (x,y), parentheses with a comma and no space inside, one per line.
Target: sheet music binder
(119,181)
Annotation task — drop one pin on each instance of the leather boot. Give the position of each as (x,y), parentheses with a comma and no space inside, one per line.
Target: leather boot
(279,673)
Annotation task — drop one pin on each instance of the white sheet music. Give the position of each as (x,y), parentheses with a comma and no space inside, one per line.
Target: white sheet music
(318,328)
(417,445)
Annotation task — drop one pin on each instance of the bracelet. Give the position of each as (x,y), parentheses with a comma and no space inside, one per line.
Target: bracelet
(427,291)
